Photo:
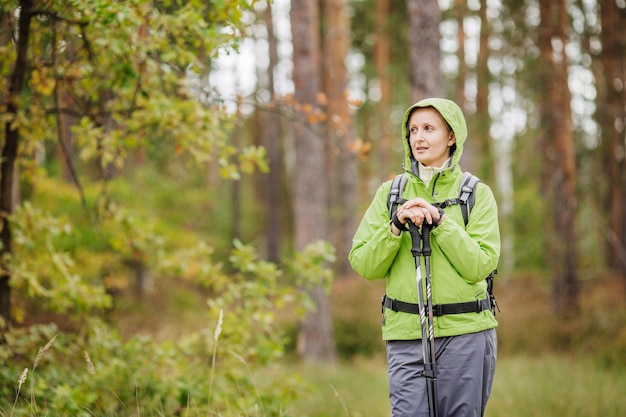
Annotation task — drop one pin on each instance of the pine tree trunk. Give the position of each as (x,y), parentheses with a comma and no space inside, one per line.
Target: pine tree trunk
(315,340)
(481,138)
(470,149)
(272,144)
(339,129)
(424,57)
(559,151)
(382,63)
(460,12)
(613,105)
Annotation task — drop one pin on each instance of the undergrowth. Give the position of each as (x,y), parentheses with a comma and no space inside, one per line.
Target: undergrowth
(546,364)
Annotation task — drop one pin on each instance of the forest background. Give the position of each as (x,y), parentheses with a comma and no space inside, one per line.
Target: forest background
(180,182)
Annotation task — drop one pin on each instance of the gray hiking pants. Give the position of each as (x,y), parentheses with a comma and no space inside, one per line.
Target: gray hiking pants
(465,370)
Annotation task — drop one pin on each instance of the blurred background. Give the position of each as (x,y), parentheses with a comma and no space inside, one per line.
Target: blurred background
(181,181)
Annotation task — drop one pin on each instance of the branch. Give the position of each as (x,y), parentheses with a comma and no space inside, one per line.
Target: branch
(56,17)
(59,123)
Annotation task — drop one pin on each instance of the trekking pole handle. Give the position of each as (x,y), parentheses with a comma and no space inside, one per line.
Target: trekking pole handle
(426,228)
(416,239)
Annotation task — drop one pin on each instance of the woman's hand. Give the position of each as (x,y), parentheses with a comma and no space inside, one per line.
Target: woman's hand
(418,210)
(415,215)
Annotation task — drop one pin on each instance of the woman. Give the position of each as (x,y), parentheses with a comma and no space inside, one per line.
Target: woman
(434,132)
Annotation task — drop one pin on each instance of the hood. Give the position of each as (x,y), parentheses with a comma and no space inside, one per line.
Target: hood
(452,114)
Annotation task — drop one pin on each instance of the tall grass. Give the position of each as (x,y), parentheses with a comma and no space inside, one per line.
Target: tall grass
(525,386)
(355,389)
(24,375)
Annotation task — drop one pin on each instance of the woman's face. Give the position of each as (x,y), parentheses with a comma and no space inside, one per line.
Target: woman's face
(429,137)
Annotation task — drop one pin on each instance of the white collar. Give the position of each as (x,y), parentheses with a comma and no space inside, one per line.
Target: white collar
(427,172)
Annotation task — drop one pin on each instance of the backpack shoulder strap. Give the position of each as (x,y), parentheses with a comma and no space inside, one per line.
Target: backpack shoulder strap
(395,194)
(467,195)
(466,201)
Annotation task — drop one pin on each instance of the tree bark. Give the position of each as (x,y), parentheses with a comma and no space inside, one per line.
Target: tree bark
(470,149)
(460,11)
(339,129)
(272,144)
(424,55)
(382,63)
(559,154)
(482,122)
(9,155)
(315,340)
(613,103)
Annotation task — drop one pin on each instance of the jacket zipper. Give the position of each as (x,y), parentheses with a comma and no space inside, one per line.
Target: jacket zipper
(434,183)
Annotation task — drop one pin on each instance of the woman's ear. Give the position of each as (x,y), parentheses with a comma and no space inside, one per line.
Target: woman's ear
(452,139)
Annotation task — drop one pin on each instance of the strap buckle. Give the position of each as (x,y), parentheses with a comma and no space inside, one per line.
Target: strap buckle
(438,310)
(388,302)
(450,202)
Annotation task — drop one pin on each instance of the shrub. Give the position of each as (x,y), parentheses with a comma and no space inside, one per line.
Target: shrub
(209,371)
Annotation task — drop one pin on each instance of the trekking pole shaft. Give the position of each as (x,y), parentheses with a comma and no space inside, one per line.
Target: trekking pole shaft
(425,309)
(429,310)
(430,363)
(431,391)
(417,251)
(426,251)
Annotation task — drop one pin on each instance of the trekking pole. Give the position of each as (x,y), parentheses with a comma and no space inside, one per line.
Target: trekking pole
(425,310)
(431,365)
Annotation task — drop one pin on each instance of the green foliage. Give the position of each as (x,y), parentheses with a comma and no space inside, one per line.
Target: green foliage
(43,271)
(131,76)
(309,269)
(64,260)
(214,369)
(127,78)
(309,266)
(98,373)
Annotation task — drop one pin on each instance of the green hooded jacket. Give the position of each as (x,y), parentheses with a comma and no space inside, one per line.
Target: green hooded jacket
(462,257)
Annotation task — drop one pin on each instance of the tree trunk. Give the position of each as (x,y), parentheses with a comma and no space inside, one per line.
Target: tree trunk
(272,144)
(382,63)
(9,155)
(470,149)
(482,122)
(460,11)
(315,341)
(64,103)
(339,129)
(424,56)
(613,103)
(559,153)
